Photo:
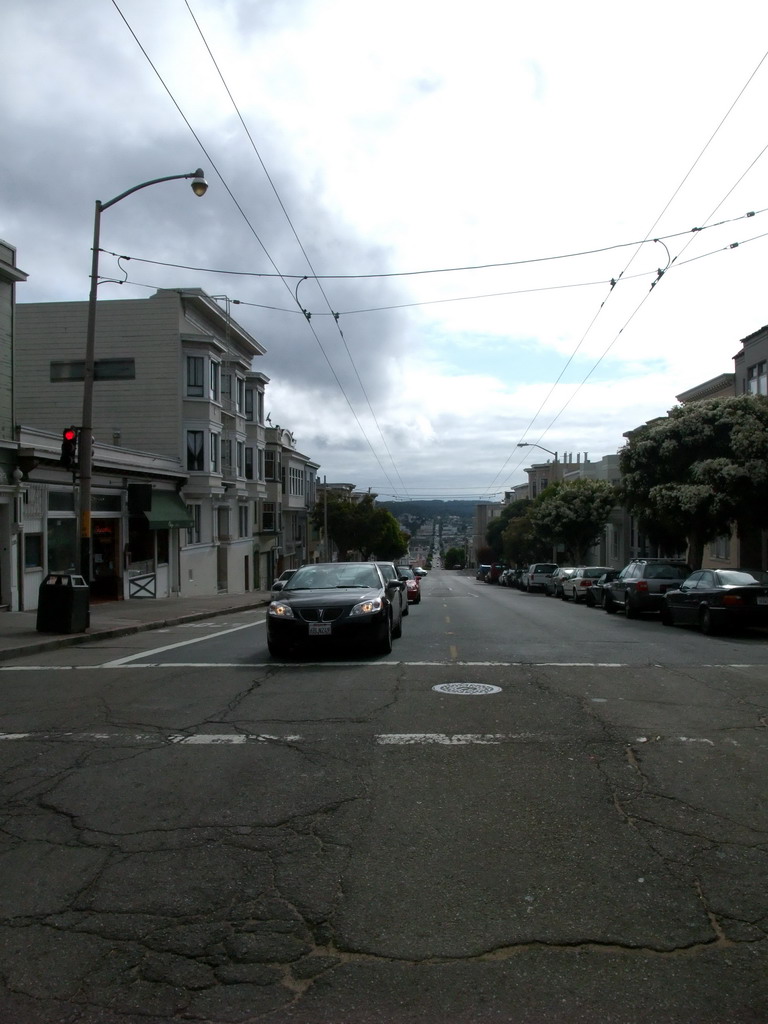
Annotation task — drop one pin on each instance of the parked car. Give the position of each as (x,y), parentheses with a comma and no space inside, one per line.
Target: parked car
(516,578)
(595,595)
(506,576)
(716,600)
(481,571)
(581,581)
(412,583)
(536,574)
(642,584)
(494,573)
(346,602)
(389,572)
(419,571)
(553,585)
(282,579)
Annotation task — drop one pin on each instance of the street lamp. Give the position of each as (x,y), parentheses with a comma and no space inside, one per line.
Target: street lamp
(530,444)
(85,442)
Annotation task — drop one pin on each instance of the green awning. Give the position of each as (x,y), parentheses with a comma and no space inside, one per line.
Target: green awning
(168,510)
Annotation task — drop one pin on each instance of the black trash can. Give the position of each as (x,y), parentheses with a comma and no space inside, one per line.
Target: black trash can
(63,604)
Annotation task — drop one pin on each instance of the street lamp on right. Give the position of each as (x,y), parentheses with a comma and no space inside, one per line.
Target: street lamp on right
(530,444)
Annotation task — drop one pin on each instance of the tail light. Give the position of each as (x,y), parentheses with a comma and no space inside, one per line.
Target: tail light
(733,600)
(585,583)
(642,585)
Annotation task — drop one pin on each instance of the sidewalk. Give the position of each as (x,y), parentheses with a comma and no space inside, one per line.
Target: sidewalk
(19,636)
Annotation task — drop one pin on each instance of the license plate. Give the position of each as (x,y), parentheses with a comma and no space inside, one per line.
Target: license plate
(319,629)
(762,600)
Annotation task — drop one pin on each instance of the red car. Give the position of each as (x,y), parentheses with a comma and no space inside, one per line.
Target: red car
(412,583)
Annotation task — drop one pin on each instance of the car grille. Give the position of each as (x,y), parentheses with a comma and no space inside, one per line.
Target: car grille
(320,614)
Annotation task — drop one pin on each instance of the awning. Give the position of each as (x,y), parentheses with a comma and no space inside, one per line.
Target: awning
(168,510)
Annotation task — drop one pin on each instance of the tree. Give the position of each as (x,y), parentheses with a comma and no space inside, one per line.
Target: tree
(574,514)
(494,534)
(691,475)
(454,558)
(360,526)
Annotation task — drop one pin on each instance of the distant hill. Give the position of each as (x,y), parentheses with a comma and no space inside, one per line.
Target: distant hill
(416,512)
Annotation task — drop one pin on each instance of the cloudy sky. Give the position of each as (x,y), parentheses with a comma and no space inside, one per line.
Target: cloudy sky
(472,191)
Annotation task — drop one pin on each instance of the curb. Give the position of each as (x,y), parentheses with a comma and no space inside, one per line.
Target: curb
(71,640)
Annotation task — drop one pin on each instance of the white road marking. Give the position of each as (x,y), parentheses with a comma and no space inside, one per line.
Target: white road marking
(133,662)
(177,739)
(181,643)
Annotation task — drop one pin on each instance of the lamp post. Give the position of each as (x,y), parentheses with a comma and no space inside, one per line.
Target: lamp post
(530,444)
(85,441)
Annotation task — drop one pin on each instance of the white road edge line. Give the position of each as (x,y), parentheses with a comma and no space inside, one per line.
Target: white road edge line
(182,643)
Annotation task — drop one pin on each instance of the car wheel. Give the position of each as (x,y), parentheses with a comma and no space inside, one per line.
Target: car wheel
(667,619)
(418,600)
(608,604)
(397,630)
(406,609)
(385,642)
(706,623)
(563,596)
(630,611)
(589,600)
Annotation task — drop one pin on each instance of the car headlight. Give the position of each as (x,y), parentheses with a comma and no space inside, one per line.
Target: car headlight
(368,607)
(280,610)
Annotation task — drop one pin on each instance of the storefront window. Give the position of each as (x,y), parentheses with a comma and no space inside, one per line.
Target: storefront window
(62,545)
(33,550)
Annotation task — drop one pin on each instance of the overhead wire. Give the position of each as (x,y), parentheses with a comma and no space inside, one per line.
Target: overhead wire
(631,260)
(299,242)
(247,221)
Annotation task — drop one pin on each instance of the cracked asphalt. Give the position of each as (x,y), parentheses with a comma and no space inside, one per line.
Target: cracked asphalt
(201,834)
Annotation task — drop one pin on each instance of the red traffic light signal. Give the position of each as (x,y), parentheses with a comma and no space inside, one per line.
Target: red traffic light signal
(68,457)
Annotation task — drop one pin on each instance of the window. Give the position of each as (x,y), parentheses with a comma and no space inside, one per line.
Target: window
(62,545)
(214,453)
(103,369)
(259,406)
(214,393)
(721,548)
(242,515)
(226,455)
(195,371)
(240,456)
(268,517)
(757,379)
(249,404)
(259,463)
(194,531)
(195,450)
(240,396)
(33,550)
(226,387)
(296,482)
(249,463)
(61,501)
(269,465)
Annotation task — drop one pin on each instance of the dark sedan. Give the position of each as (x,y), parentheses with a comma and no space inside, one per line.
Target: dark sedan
(718,599)
(335,602)
(595,595)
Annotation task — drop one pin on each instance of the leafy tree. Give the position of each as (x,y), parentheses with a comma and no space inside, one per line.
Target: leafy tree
(574,514)
(522,543)
(691,475)
(360,526)
(454,557)
(494,534)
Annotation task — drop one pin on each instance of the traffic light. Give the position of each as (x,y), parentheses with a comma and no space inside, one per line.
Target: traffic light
(69,447)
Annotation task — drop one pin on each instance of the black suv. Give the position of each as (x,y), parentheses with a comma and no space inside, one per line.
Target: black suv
(641,585)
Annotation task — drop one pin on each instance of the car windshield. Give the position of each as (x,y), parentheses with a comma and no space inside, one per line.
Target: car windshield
(666,572)
(403,570)
(593,574)
(329,577)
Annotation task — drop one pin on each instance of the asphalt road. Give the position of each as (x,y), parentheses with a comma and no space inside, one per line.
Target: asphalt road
(574,831)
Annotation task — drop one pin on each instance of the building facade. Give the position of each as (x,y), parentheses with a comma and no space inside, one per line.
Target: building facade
(174,392)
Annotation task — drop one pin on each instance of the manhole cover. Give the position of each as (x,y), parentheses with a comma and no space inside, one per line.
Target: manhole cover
(472,689)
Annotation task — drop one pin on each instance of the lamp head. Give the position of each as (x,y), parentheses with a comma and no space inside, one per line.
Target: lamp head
(199,184)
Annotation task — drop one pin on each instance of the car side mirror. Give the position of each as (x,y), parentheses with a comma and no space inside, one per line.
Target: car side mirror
(278,585)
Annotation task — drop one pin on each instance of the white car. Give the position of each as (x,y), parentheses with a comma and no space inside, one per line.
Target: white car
(282,579)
